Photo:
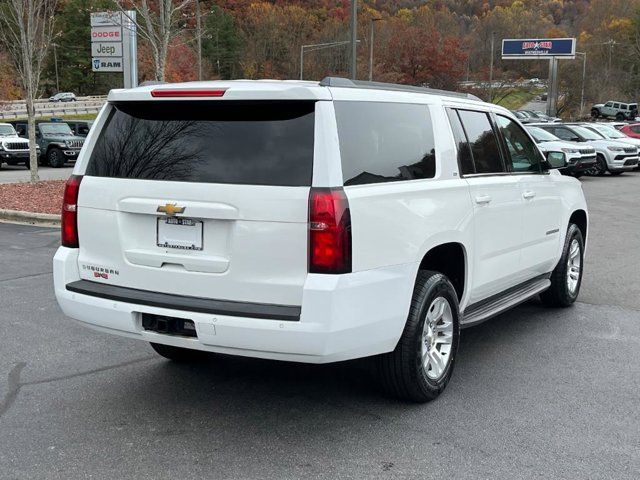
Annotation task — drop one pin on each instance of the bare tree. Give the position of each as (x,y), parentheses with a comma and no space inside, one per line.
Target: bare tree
(26,29)
(159,22)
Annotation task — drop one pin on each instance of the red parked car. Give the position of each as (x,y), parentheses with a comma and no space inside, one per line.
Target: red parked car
(632,130)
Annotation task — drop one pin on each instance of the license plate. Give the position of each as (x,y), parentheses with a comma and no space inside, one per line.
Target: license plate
(182,233)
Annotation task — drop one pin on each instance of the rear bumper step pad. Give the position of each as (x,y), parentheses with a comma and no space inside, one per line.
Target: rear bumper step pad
(263,311)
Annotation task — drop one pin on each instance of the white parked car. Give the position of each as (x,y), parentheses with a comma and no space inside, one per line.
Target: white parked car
(611,155)
(14,150)
(313,222)
(63,97)
(570,158)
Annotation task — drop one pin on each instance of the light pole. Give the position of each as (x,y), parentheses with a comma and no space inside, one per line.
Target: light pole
(373,22)
(584,75)
(317,46)
(55,62)
(493,38)
(354,37)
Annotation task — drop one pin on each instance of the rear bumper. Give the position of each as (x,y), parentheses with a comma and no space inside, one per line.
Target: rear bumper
(342,317)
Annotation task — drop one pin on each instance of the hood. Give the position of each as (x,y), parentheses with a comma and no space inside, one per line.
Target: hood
(558,145)
(598,105)
(62,138)
(603,144)
(631,141)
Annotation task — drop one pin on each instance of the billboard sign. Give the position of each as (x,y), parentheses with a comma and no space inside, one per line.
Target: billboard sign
(114,44)
(106,34)
(538,48)
(105,19)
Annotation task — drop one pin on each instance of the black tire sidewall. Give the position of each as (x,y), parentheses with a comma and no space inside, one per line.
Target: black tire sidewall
(572,233)
(439,288)
(601,168)
(57,152)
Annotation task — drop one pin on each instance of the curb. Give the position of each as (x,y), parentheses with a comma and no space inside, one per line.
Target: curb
(30,218)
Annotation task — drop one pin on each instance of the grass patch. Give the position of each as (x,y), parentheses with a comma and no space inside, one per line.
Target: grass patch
(515,99)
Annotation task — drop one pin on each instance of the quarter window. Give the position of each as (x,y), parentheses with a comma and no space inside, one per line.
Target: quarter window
(464,151)
(483,141)
(523,153)
(385,142)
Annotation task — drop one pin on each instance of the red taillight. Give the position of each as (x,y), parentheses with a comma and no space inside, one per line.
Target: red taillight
(188,92)
(70,212)
(329,231)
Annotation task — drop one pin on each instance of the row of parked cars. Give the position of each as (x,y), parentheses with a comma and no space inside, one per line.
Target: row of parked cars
(584,147)
(57,141)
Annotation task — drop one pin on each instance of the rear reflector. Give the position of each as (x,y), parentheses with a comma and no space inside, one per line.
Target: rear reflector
(69,222)
(329,231)
(188,92)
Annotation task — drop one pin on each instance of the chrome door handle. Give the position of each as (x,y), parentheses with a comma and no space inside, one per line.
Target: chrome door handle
(528,195)
(483,199)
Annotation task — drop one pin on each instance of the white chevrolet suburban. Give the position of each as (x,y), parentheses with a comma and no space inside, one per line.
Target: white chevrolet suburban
(313,222)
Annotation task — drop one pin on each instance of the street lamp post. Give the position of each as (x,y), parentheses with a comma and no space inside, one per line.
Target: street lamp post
(373,22)
(493,38)
(584,75)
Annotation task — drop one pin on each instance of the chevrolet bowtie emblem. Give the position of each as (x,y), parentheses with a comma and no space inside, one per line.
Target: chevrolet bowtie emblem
(170,209)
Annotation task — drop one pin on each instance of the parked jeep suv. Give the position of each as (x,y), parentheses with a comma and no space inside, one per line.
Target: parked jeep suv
(313,222)
(570,158)
(618,110)
(13,149)
(56,141)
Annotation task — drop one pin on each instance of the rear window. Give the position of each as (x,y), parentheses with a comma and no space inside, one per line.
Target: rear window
(250,143)
(385,142)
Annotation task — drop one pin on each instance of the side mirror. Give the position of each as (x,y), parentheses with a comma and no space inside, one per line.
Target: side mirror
(556,159)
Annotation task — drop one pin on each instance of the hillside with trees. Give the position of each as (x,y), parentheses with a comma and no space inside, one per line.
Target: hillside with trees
(421,42)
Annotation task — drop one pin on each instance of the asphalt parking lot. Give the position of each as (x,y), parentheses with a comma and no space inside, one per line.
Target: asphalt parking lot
(537,393)
(18,173)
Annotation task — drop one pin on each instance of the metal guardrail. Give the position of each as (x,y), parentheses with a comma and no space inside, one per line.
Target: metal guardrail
(44,108)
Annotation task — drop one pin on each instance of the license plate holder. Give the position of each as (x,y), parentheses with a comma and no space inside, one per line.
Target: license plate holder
(180,233)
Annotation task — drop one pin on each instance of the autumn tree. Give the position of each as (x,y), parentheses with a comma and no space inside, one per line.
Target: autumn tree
(26,28)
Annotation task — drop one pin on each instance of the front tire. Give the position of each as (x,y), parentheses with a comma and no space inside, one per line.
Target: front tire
(55,158)
(601,166)
(177,354)
(422,363)
(595,113)
(566,278)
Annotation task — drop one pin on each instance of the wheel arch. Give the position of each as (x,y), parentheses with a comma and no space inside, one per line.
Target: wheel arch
(450,259)
(579,217)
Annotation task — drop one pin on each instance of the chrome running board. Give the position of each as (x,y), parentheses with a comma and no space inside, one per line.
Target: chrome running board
(485,309)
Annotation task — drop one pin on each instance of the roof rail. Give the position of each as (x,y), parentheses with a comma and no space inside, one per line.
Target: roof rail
(348,83)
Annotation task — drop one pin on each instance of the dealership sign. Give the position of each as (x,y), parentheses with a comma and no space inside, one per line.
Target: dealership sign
(538,48)
(114,45)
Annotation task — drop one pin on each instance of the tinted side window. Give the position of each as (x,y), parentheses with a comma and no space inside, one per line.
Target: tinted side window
(636,128)
(525,156)
(385,142)
(464,151)
(616,105)
(483,141)
(248,143)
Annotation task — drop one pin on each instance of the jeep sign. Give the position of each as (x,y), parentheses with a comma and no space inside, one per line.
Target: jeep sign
(112,49)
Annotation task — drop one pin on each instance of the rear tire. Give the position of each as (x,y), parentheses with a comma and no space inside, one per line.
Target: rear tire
(177,354)
(620,117)
(55,158)
(566,278)
(422,363)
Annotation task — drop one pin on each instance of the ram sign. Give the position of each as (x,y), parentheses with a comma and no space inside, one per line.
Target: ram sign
(537,48)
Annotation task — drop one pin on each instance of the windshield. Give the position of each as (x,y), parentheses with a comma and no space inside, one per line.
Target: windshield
(6,130)
(540,135)
(586,133)
(608,131)
(55,129)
